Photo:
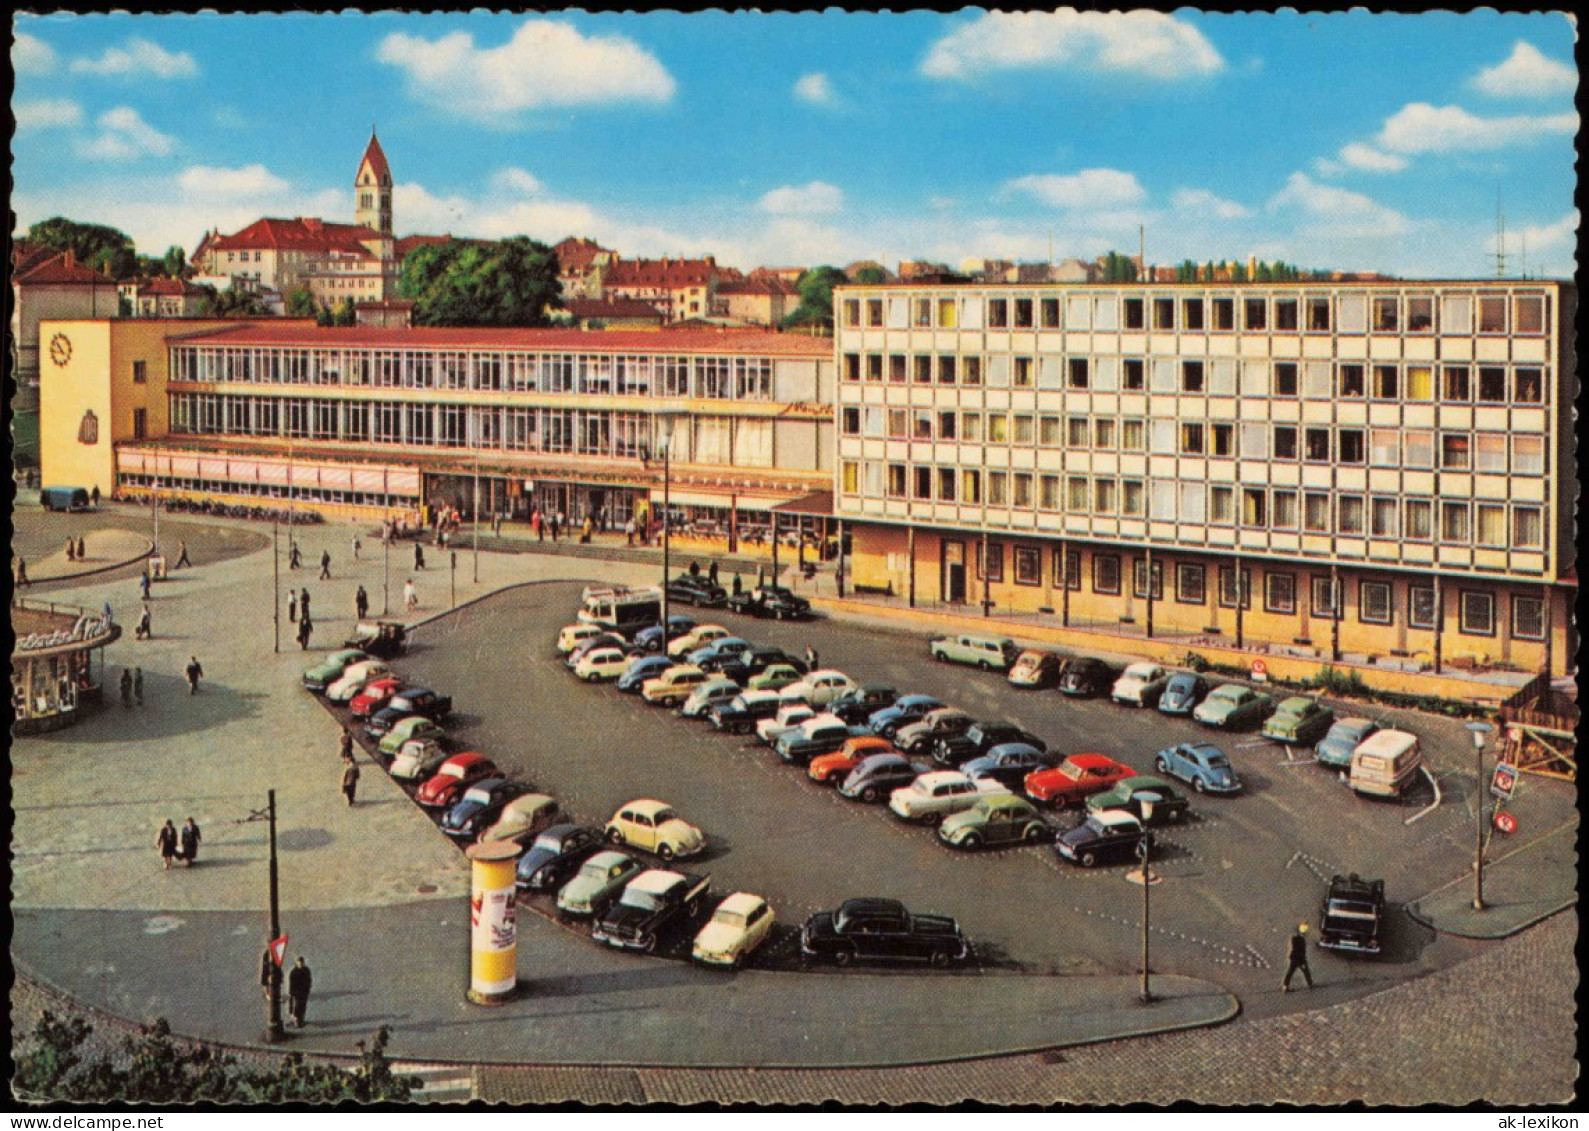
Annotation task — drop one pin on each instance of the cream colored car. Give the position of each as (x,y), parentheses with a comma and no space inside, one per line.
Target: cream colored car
(570,636)
(741,923)
(673,686)
(655,827)
(698,637)
(354,678)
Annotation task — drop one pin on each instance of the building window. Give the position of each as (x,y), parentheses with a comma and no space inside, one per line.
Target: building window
(1134,374)
(1067,569)
(946,484)
(1418,449)
(1528,618)
(1383,515)
(1139,578)
(1050,313)
(1489,452)
(1454,526)
(1283,514)
(896,480)
(1492,384)
(140,423)
(1349,514)
(1224,314)
(1134,314)
(1528,314)
(998,488)
(1076,494)
(922,485)
(1323,596)
(1285,379)
(921,364)
(1456,386)
(1021,482)
(1106,573)
(1048,498)
(1191,376)
(1476,613)
(850,476)
(1133,499)
(1028,565)
(1420,606)
(1492,314)
(1374,602)
(1528,386)
(1528,529)
(1103,502)
(1317,445)
(1077,374)
(1191,439)
(998,314)
(850,421)
(1350,381)
(1228,587)
(971,371)
(1223,437)
(971,487)
(1279,592)
(1455,451)
(995,563)
(1024,429)
(1222,503)
(946,369)
(1191,586)
(1285,441)
(998,428)
(1077,432)
(1133,435)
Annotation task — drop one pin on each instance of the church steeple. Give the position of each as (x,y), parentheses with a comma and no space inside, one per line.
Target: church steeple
(372,189)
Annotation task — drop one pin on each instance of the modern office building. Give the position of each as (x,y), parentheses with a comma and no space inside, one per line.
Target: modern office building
(1373,468)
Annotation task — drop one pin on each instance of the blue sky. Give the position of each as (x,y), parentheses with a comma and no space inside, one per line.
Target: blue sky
(1348,140)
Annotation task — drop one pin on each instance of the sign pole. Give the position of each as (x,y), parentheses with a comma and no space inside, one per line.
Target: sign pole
(274,1032)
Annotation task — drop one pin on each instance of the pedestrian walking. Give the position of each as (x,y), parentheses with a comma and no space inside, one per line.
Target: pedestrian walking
(711,572)
(144,583)
(739,586)
(350,778)
(410,595)
(299,981)
(305,627)
(183,561)
(292,605)
(1297,959)
(166,842)
(82,551)
(588,530)
(303,602)
(269,972)
(71,550)
(195,673)
(294,558)
(556,521)
(346,744)
(628,531)
(357,545)
(361,603)
(537,525)
(189,838)
(811,658)
(145,629)
(93,496)
(22,574)
(419,556)
(137,685)
(325,565)
(126,687)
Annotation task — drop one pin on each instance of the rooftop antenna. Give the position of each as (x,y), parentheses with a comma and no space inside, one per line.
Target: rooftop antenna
(1522,239)
(1500,238)
(1142,250)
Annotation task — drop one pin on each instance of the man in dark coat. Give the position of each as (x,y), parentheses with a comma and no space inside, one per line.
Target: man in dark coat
(195,673)
(325,565)
(166,842)
(350,778)
(190,837)
(269,972)
(303,602)
(346,742)
(305,627)
(299,981)
(1297,958)
(361,603)
(126,688)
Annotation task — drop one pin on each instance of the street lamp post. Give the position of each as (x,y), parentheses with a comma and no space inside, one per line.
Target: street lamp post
(275,581)
(1146,993)
(1480,732)
(386,571)
(476,520)
(667,419)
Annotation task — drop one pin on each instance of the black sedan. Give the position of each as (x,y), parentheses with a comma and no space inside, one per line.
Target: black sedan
(771,601)
(1107,836)
(901,713)
(741,667)
(1008,764)
(857,706)
(556,855)
(1084,676)
(740,714)
(952,750)
(480,806)
(410,701)
(690,590)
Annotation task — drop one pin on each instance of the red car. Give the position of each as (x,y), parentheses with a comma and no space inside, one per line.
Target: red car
(831,769)
(372,696)
(1075,779)
(453,777)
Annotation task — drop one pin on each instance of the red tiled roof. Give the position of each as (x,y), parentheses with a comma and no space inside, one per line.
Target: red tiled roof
(665,273)
(576,254)
(375,157)
(490,337)
(611,308)
(757,285)
(168,286)
(28,254)
(302,234)
(63,269)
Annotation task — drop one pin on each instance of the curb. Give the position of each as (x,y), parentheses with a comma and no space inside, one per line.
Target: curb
(147,551)
(1502,930)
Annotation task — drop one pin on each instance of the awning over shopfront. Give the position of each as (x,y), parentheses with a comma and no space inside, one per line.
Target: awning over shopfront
(723,499)
(819,503)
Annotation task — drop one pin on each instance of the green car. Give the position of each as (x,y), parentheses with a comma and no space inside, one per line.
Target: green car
(330,669)
(1151,800)
(599,881)
(775,678)
(412,728)
(1299,719)
(1232,706)
(995,820)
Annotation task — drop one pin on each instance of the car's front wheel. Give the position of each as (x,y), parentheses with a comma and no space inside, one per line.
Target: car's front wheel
(614,836)
(939,959)
(930,819)
(972,841)
(1200,786)
(843,957)
(869,793)
(1162,765)
(665,851)
(984,665)
(1034,833)
(1087,859)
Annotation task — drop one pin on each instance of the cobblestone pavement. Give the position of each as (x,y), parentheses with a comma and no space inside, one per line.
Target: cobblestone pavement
(1499,1029)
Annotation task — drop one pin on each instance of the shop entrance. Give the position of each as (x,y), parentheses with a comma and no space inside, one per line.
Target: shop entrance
(952,571)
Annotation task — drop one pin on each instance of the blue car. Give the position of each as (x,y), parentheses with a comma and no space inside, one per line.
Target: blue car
(718,648)
(1336,747)
(906,709)
(480,806)
(556,855)
(1184,691)
(646,667)
(1008,764)
(650,639)
(1201,765)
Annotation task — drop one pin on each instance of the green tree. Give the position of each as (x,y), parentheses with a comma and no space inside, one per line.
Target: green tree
(176,262)
(231,303)
(1208,271)
(344,314)
(871,276)
(1119,268)
(91,244)
(1238,271)
(1262,273)
(816,297)
(1186,272)
(509,283)
(301,303)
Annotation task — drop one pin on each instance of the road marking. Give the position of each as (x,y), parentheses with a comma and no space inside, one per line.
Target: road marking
(1313,864)
(440,1083)
(1433,805)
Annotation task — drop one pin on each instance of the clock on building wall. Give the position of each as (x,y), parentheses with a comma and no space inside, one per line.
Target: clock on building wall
(60,349)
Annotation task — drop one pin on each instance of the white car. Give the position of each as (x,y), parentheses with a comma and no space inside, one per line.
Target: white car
(355,677)
(821,687)
(932,797)
(717,689)
(1140,685)
(417,759)
(698,637)
(601,663)
(570,636)
(787,718)
(740,924)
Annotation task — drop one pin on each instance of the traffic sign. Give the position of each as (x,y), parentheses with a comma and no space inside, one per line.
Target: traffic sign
(1506,822)
(278,949)
(1260,671)
(1504,783)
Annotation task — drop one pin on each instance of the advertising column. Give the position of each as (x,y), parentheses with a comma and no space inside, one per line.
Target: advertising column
(493,945)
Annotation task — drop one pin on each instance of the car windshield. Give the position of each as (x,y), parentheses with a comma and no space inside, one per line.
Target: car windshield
(1227,694)
(1215,761)
(1072,771)
(595,870)
(664,815)
(729,918)
(452,771)
(644,900)
(547,844)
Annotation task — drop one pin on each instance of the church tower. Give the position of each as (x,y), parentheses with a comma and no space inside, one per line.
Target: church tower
(372,189)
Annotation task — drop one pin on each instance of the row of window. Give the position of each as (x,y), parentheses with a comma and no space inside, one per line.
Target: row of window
(1347,312)
(1415,448)
(1376,602)
(619,435)
(725,378)
(279,491)
(1449,522)
(1318,380)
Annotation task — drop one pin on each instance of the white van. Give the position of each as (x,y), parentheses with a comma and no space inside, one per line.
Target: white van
(1385,764)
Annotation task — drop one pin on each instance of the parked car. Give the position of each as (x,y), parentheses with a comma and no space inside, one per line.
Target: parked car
(650,639)
(606,662)
(1008,764)
(724,647)
(654,903)
(770,601)
(673,686)
(384,639)
(698,637)
(745,664)
(821,688)
(599,881)
(417,759)
(413,728)
(1084,676)
(355,678)
(902,712)
(654,827)
(741,923)
(917,739)
(996,819)
(1386,764)
(820,734)
(330,669)
(775,677)
(1035,668)
(1140,685)
(789,716)
(521,818)
(373,695)
(642,668)
(1102,837)
(421,701)
(1298,720)
(479,805)
(881,929)
(1201,765)
(687,590)
(878,776)
(555,855)
(1151,800)
(1336,747)
(569,636)
(1351,915)
(1075,779)
(588,645)
(741,713)
(1233,707)
(935,795)
(978,739)
(716,689)
(857,706)
(1184,691)
(831,769)
(990,653)
(452,777)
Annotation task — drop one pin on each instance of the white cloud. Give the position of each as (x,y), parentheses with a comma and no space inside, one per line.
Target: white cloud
(1370,160)
(1207,203)
(125,136)
(214,182)
(1526,73)
(515,181)
(139,57)
(816,198)
(1337,210)
(1137,43)
(419,210)
(816,89)
(30,55)
(546,63)
(47,114)
(1090,188)
(1421,128)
